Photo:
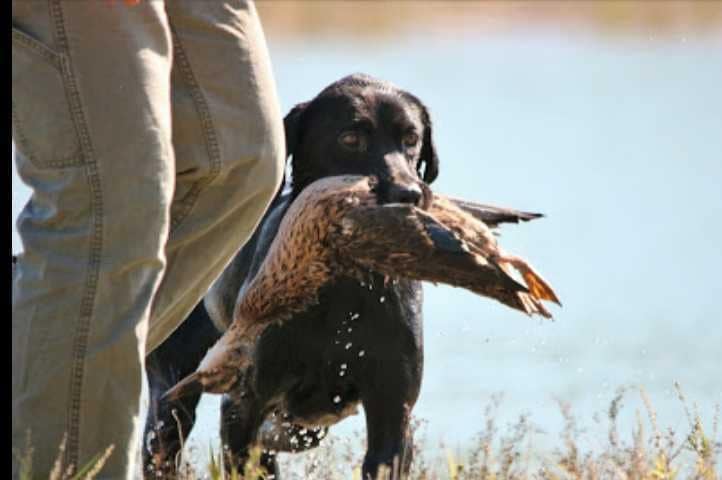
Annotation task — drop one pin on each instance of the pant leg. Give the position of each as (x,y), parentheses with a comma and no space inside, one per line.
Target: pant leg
(229,145)
(225,103)
(92,124)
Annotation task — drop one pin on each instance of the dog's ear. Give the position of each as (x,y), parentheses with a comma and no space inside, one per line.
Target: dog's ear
(292,127)
(428,166)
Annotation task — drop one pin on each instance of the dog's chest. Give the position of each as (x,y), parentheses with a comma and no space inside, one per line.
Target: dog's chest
(333,351)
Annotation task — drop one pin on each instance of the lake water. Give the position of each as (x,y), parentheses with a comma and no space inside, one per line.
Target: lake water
(619,142)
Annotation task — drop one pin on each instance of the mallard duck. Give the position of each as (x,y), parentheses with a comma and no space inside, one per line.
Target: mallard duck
(336,227)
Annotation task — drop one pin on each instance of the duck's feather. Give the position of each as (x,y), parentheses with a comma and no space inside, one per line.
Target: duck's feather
(492,215)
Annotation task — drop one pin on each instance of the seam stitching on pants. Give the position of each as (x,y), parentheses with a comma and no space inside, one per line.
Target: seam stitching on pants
(82,328)
(36,47)
(55,60)
(21,140)
(209,133)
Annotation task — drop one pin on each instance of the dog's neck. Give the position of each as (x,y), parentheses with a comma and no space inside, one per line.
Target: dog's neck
(297,187)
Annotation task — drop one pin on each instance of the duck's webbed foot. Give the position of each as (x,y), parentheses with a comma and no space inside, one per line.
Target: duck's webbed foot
(538,287)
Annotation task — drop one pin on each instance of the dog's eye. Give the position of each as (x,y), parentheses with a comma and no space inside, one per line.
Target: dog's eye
(410,139)
(352,140)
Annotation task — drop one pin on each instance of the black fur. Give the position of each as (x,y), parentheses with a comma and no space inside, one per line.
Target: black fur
(361,345)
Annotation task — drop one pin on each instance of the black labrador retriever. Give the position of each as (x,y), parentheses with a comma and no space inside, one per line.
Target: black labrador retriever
(362,344)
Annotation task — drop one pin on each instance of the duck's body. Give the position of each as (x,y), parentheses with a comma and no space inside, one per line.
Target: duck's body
(335,228)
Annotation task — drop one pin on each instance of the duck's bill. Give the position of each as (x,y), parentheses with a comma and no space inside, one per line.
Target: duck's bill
(190,385)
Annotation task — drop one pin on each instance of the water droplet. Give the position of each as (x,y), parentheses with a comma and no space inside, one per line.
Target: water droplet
(337,399)
(382,299)
(344,366)
(362,353)
(149,442)
(355,316)
(342,373)
(349,329)
(348,345)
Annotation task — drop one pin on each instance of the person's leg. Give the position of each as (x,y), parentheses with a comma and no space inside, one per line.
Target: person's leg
(92,125)
(229,146)
(228,133)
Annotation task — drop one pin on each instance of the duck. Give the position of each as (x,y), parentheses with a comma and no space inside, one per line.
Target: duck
(336,226)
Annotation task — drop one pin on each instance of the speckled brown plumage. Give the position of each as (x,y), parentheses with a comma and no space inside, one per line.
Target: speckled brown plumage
(336,227)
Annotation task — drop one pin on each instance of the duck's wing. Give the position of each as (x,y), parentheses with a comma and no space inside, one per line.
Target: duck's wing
(492,215)
(482,242)
(442,245)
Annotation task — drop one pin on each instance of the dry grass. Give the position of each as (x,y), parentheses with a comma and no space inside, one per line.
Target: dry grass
(513,453)
(652,453)
(60,470)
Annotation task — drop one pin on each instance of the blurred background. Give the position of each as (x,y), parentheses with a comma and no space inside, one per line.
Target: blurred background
(607,117)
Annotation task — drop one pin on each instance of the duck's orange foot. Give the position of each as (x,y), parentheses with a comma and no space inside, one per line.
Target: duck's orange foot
(539,288)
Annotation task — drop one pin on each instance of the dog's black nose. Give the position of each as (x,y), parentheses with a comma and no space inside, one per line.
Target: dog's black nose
(406,194)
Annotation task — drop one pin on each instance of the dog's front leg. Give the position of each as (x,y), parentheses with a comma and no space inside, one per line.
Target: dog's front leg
(390,442)
(168,424)
(241,418)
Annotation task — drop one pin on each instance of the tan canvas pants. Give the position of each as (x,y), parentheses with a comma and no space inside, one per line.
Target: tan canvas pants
(152,139)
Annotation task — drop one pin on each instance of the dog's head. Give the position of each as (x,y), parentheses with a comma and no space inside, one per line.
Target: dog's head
(361,125)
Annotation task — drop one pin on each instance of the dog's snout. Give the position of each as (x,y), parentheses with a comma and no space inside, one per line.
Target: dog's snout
(406,194)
